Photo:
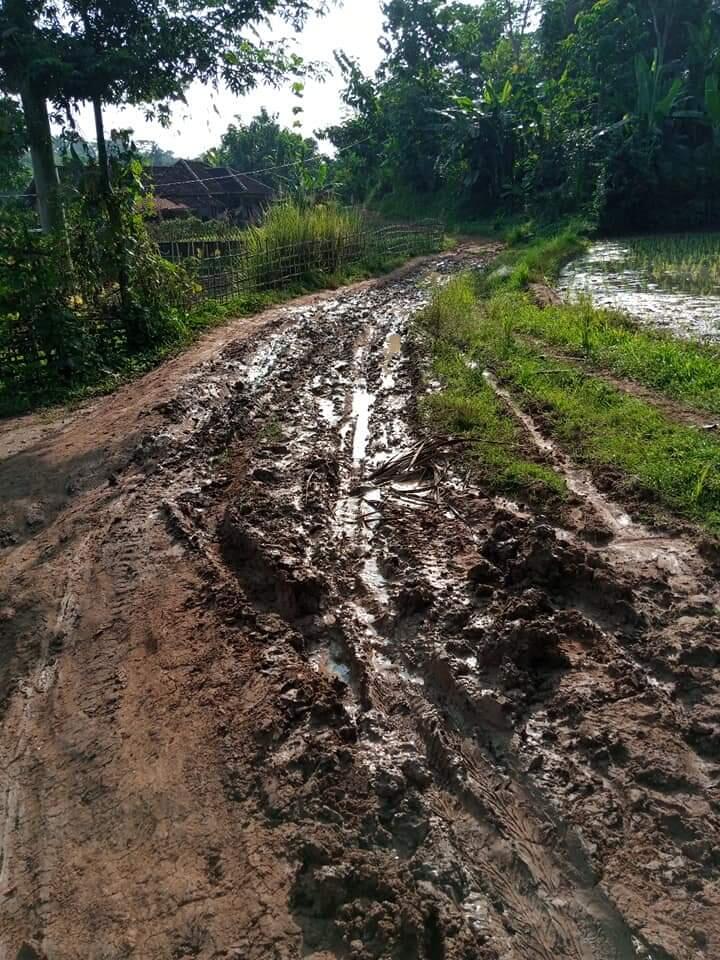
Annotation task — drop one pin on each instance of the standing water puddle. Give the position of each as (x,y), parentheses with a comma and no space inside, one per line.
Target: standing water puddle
(393,345)
(327,411)
(330,661)
(362,403)
(686,315)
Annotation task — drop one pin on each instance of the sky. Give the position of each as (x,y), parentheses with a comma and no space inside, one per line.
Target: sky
(197,126)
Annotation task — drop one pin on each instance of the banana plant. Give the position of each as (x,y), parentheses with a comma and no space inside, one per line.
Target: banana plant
(656,100)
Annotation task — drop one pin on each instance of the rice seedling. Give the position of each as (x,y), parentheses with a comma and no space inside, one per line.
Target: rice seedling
(688,262)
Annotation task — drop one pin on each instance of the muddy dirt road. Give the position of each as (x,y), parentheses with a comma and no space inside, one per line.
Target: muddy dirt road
(279,681)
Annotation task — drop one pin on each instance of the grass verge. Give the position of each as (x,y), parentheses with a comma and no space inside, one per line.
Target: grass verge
(680,369)
(537,260)
(661,461)
(467,406)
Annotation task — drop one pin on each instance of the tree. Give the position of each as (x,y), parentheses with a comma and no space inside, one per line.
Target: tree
(285,158)
(14,165)
(33,66)
(130,51)
(606,108)
(154,155)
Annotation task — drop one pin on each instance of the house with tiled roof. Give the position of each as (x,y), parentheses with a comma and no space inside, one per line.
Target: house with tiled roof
(191,188)
(194,188)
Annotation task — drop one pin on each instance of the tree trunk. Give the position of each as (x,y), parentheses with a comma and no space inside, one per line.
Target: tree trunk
(47,184)
(113,210)
(103,161)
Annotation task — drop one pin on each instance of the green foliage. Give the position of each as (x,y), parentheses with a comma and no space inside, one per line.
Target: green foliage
(539,261)
(452,312)
(14,167)
(68,336)
(192,228)
(467,406)
(43,332)
(520,233)
(288,162)
(675,464)
(59,326)
(132,51)
(609,110)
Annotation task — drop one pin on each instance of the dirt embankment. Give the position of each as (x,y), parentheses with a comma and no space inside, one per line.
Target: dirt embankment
(279,681)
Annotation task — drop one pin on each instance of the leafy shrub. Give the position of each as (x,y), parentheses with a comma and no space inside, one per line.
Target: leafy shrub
(46,333)
(74,306)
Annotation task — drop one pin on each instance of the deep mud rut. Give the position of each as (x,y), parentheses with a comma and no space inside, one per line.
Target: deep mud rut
(272,691)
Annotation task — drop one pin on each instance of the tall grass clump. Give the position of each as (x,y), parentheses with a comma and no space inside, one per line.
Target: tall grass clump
(453,310)
(297,243)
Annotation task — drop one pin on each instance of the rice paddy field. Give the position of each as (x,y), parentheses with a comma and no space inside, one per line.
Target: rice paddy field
(670,282)
(688,262)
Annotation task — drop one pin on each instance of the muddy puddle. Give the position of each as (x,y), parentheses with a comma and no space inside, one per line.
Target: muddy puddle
(681,314)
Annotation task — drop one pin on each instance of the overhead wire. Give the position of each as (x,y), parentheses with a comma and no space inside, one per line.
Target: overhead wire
(225,176)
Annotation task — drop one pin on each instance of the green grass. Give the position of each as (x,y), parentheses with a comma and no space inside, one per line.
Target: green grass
(688,262)
(680,369)
(673,464)
(467,406)
(657,459)
(287,224)
(193,228)
(536,260)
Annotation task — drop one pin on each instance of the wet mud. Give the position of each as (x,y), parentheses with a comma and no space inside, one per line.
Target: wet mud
(343,703)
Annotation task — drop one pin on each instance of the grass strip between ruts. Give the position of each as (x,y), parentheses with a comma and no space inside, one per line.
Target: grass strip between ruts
(467,405)
(682,370)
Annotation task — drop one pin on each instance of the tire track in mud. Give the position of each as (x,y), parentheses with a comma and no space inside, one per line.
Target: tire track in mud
(541,879)
(106,562)
(361,656)
(446,729)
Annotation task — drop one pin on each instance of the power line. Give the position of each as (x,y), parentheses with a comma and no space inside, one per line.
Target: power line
(252,173)
(225,176)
